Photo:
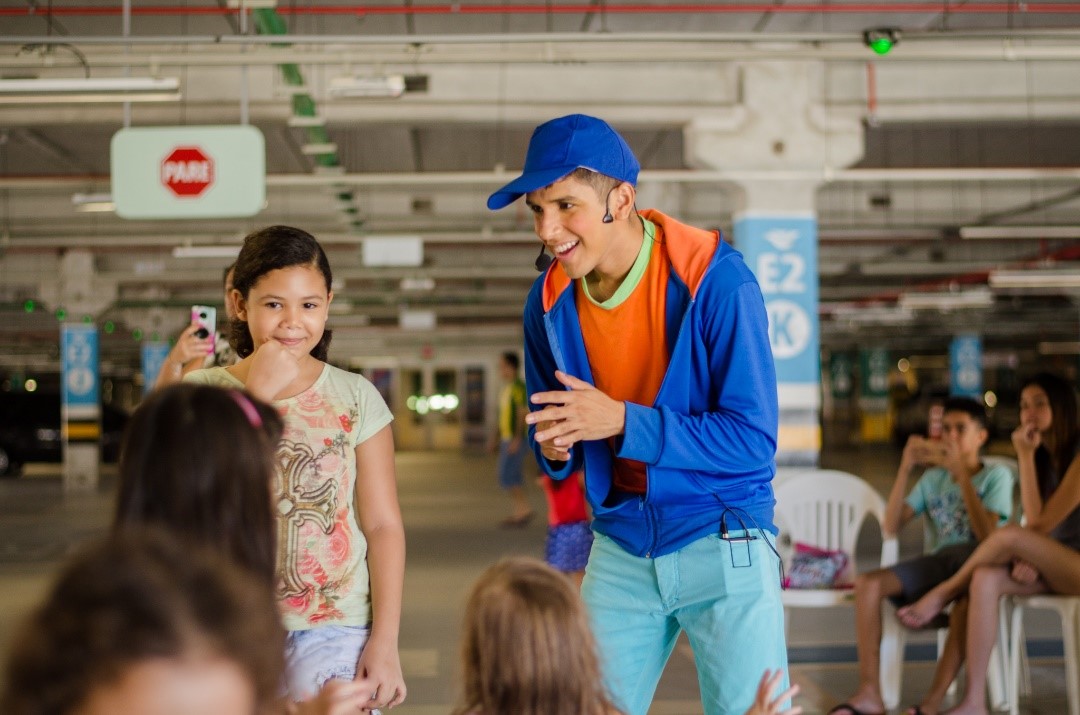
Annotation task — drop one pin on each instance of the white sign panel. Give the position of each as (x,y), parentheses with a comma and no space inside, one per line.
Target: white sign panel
(188,172)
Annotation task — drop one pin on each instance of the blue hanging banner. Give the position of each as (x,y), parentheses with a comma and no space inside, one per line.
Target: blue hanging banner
(781,250)
(80,405)
(79,365)
(965,365)
(153,357)
(782,253)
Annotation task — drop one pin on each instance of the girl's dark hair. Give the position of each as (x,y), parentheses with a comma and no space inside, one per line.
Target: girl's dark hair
(193,462)
(1064,428)
(137,596)
(270,249)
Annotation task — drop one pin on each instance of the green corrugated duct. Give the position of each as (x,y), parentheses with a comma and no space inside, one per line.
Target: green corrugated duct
(268,22)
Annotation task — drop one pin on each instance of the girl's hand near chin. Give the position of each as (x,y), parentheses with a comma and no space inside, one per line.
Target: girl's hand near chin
(1026,439)
(273,368)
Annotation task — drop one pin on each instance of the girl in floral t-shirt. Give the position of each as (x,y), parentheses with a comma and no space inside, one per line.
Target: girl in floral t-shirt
(335,492)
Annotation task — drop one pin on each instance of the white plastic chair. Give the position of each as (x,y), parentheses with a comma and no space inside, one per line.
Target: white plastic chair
(894,635)
(826,508)
(1068,608)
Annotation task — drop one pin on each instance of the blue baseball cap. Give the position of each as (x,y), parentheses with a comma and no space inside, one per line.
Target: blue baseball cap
(560,146)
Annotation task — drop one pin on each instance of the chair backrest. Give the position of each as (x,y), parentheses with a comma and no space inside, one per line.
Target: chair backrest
(826,508)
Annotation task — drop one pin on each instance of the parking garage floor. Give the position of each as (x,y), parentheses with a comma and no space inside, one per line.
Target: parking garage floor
(451,508)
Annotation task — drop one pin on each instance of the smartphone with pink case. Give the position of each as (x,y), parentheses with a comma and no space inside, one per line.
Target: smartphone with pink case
(206,317)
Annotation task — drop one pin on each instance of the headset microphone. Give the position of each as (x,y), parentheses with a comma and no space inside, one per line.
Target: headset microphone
(608,218)
(543,260)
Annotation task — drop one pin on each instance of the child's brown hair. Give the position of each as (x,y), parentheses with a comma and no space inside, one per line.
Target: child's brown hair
(527,648)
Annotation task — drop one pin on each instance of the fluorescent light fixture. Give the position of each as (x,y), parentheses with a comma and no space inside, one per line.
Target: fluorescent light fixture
(214,251)
(872,314)
(976,298)
(93,203)
(301,121)
(319,149)
(1006,232)
(1036,278)
(367,86)
(421,284)
(89,90)
(416,319)
(251,4)
(392,251)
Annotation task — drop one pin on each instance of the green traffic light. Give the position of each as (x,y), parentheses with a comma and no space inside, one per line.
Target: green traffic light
(61,314)
(29,306)
(137,333)
(109,327)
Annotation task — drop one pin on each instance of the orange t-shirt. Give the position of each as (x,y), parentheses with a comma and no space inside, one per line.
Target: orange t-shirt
(626,342)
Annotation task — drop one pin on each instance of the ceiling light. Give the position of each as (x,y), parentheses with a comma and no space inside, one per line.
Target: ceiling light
(89,90)
(881,39)
(422,284)
(302,121)
(214,251)
(93,203)
(1035,278)
(1006,232)
(251,4)
(319,149)
(977,298)
(367,86)
(872,314)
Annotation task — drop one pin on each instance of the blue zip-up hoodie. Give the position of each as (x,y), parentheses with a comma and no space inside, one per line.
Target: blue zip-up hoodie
(709,439)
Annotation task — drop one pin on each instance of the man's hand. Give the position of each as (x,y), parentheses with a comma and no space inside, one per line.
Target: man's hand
(548,448)
(581,413)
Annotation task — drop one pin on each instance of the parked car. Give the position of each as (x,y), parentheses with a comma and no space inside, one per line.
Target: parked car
(30,430)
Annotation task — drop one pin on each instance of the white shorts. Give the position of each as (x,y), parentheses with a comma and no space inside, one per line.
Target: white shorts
(314,656)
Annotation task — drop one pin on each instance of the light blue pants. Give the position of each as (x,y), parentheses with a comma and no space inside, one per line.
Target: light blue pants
(725,595)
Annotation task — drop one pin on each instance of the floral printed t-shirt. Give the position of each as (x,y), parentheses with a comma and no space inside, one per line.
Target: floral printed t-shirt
(940,498)
(322,554)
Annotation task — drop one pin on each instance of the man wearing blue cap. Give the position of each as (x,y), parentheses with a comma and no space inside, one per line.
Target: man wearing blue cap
(648,365)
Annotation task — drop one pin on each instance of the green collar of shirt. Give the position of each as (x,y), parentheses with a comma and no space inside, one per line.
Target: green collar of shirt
(634,276)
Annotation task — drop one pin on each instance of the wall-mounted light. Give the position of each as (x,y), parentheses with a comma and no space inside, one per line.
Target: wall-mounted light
(1035,278)
(1009,232)
(975,298)
(392,85)
(86,90)
(213,251)
(881,39)
(93,203)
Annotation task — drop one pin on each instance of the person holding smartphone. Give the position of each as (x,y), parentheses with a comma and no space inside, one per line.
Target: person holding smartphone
(201,344)
(964,500)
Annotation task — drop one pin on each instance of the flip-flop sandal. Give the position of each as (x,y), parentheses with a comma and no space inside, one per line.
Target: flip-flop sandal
(850,710)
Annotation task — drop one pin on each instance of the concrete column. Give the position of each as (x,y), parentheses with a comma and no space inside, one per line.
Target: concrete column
(781,126)
(80,293)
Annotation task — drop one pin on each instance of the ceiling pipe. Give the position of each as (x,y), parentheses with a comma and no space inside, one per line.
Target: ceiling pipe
(388,180)
(877,8)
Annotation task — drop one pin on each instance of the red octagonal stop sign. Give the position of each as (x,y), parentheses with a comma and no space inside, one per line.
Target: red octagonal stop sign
(187,171)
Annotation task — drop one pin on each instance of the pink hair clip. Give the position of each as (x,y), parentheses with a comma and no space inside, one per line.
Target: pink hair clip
(249,409)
